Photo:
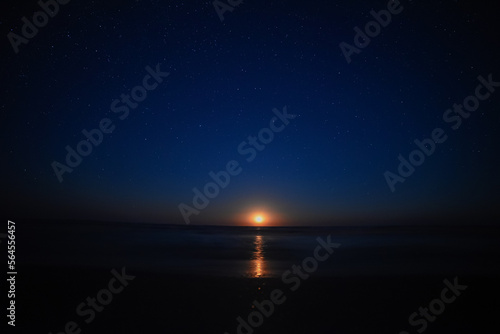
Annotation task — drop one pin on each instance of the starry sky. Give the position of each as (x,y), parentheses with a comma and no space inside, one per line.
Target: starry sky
(350,120)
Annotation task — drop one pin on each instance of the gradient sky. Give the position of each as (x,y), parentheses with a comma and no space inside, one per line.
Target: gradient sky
(352,120)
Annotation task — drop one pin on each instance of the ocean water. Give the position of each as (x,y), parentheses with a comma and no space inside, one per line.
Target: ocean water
(261,251)
(191,279)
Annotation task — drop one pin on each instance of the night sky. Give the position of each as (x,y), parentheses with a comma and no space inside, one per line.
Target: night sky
(227,80)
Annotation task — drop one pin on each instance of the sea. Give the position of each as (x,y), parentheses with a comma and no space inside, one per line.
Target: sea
(223,279)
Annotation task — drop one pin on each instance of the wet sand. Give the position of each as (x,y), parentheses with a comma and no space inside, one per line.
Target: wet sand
(176,304)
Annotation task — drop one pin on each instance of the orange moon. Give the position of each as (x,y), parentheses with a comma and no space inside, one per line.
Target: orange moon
(258,219)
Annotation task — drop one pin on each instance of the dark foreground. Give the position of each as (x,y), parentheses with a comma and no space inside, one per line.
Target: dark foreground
(368,285)
(168,304)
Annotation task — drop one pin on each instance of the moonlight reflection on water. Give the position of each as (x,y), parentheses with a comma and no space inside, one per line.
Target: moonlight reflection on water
(257,263)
